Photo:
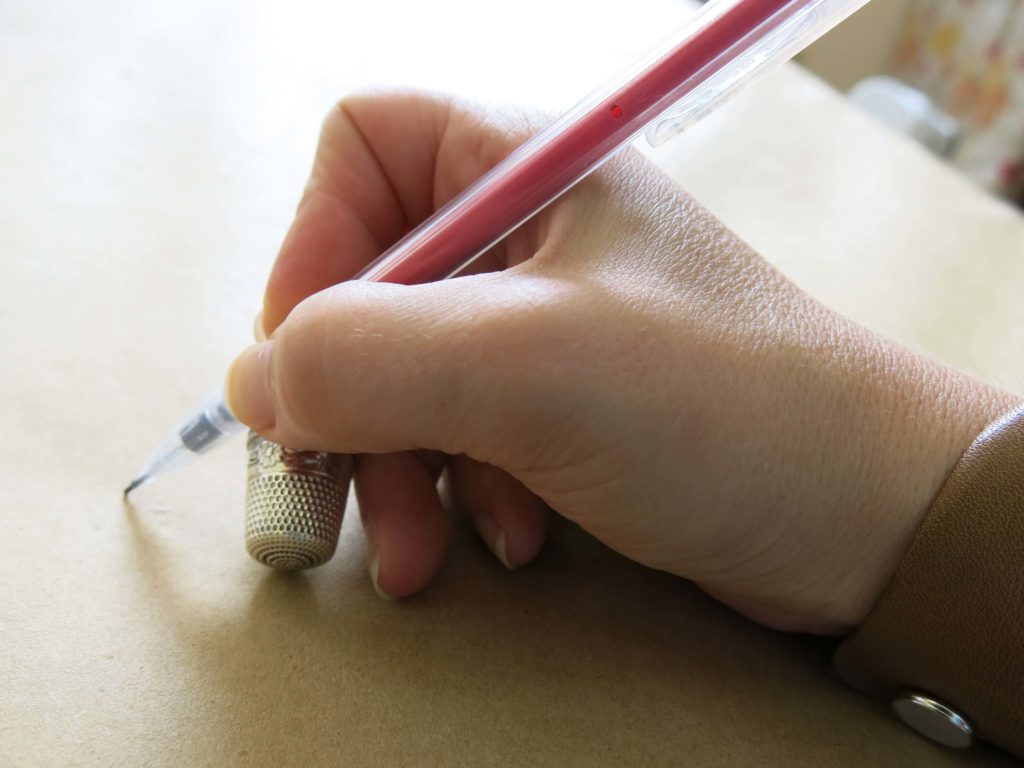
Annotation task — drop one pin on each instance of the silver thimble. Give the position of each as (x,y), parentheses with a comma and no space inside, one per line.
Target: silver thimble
(294,502)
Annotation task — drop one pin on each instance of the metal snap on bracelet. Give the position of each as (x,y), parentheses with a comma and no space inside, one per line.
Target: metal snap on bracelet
(935,720)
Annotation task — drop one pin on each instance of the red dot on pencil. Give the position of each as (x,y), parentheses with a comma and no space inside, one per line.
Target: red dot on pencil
(616,110)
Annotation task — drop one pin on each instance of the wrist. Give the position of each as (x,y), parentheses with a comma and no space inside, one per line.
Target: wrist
(935,415)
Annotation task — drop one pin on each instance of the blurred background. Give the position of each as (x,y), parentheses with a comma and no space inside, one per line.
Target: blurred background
(949,73)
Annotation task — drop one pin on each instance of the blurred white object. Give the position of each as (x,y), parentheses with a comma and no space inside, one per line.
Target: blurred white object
(908,111)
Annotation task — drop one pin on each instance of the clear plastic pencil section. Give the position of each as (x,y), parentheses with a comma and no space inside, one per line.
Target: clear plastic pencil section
(724,47)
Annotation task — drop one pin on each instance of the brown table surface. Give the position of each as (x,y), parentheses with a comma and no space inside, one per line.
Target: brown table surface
(151,155)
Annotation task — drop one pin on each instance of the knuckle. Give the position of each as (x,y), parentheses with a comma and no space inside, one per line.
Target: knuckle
(343,109)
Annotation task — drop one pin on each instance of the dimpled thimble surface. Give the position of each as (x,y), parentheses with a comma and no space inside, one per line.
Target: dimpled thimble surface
(294,502)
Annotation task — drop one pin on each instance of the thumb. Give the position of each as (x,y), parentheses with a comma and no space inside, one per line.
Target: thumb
(453,366)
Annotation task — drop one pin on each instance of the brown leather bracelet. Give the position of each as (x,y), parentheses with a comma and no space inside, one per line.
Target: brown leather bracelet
(951,622)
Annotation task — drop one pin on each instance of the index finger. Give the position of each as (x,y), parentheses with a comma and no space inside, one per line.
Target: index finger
(384,163)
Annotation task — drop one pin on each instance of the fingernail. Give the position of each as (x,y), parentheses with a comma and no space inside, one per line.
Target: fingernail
(248,387)
(373,560)
(257,327)
(494,536)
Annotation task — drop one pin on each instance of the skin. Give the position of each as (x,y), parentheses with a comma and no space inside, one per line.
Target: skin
(623,359)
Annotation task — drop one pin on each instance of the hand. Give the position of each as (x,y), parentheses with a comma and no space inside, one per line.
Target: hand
(623,359)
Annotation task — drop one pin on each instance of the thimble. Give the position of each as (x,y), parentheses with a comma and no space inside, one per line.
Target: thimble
(294,502)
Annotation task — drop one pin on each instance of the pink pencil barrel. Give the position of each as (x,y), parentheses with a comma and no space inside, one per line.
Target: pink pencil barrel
(576,144)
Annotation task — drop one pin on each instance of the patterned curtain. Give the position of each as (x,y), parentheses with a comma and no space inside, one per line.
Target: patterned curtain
(968,55)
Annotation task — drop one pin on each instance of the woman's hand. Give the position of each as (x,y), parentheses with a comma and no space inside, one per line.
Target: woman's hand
(623,358)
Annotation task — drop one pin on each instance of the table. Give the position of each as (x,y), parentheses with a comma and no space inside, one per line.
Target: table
(151,157)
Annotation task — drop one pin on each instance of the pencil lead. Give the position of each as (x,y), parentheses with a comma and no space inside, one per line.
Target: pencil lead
(134,484)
